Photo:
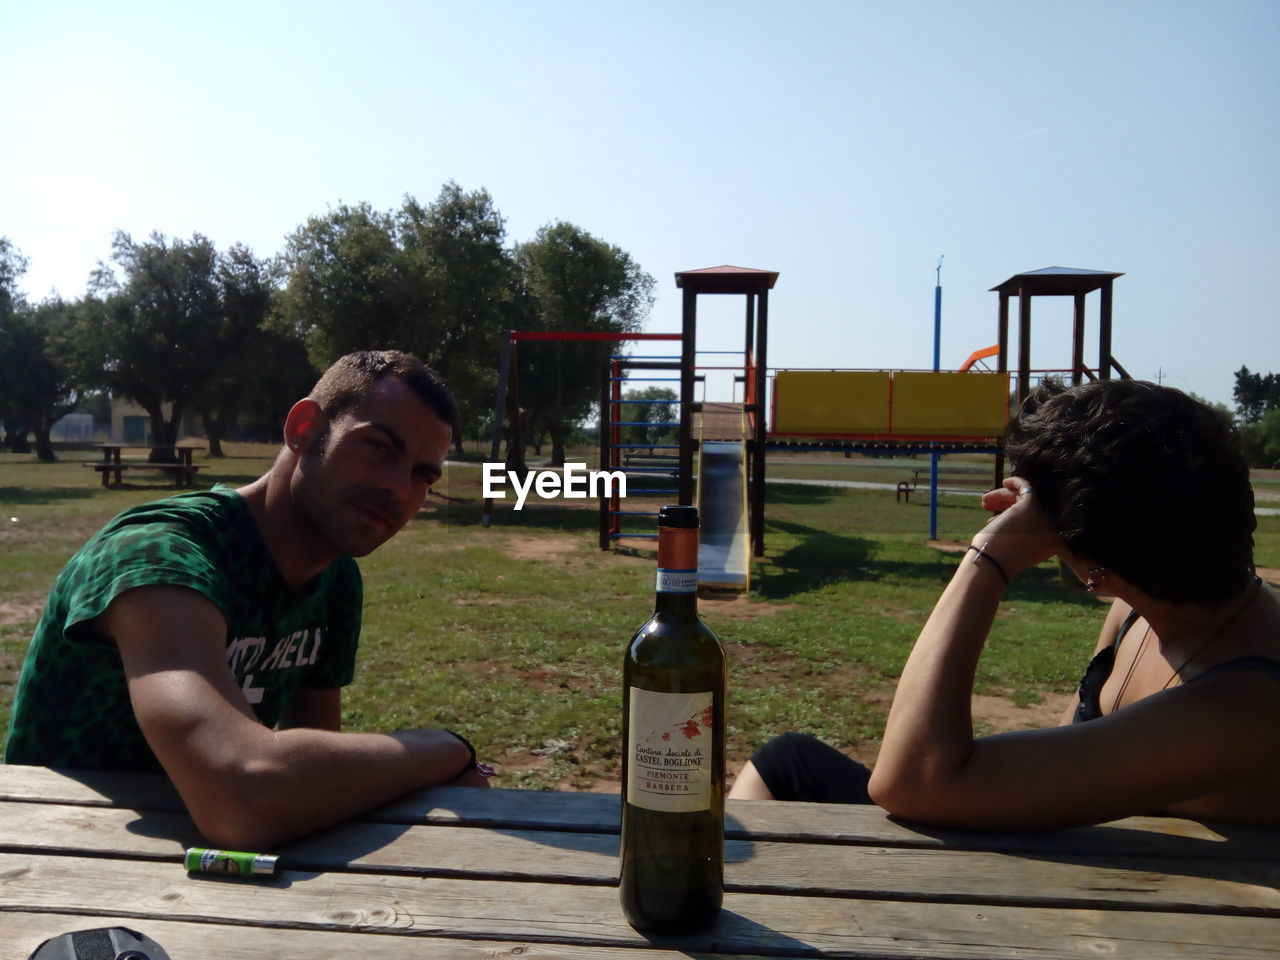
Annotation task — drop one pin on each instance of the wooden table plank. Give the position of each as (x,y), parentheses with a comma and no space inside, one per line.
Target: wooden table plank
(90,787)
(956,876)
(851,823)
(23,932)
(590,916)
(758,820)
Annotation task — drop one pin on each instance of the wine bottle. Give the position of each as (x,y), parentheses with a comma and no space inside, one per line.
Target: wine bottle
(672,862)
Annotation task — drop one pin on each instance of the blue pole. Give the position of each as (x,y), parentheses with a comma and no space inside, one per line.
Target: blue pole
(937,322)
(937,365)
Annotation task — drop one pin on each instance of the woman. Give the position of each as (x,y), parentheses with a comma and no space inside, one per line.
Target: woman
(1142,492)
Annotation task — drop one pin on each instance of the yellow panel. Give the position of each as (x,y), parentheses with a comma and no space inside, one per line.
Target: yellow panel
(950,404)
(814,403)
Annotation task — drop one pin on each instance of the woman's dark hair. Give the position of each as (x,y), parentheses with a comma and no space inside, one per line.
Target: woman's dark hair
(346,384)
(1142,480)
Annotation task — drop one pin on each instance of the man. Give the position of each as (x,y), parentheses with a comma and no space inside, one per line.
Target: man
(209,634)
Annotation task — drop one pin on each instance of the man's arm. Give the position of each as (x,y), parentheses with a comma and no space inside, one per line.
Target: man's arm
(246,786)
(320,709)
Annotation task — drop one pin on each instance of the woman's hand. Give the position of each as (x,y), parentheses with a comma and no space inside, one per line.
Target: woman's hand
(1020,534)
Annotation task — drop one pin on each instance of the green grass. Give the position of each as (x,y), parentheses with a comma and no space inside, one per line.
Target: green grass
(514,634)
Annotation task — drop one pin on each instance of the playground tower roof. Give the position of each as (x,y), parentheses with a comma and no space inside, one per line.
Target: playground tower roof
(727,279)
(1056,281)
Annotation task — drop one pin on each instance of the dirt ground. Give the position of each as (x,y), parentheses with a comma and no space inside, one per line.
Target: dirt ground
(995,714)
(18,611)
(990,713)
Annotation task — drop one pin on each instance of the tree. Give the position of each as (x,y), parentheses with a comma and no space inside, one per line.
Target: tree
(435,280)
(283,372)
(653,407)
(574,283)
(346,286)
(438,281)
(465,280)
(45,387)
(160,317)
(257,362)
(12,266)
(1257,398)
(1255,394)
(1260,440)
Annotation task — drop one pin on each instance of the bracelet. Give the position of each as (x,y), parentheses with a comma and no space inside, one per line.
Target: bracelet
(471,764)
(981,551)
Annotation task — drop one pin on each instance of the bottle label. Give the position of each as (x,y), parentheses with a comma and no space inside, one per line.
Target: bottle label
(669,751)
(677,581)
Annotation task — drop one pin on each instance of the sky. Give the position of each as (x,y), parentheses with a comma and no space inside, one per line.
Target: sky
(849,146)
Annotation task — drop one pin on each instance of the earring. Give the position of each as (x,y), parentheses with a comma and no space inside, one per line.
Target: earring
(1096,576)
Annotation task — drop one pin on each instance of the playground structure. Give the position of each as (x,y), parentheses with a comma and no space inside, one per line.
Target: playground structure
(728,437)
(718,461)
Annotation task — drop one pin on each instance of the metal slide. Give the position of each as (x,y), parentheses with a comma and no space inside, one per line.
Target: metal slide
(724,546)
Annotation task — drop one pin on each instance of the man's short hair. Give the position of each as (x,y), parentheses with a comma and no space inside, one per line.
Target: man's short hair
(346,384)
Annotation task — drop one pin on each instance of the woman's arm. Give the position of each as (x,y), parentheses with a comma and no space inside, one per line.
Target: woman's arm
(929,733)
(1172,746)
(1162,751)
(930,729)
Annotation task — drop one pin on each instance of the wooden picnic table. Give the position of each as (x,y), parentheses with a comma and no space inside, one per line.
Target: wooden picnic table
(114,464)
(461,873)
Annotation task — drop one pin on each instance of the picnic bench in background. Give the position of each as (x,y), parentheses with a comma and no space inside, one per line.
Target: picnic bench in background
(113,464)
(461,873)
(952,480)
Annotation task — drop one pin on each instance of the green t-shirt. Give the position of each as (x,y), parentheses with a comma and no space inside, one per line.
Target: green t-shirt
(72,707)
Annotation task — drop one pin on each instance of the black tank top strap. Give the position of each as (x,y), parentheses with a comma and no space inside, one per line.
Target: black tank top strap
(1096,674)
